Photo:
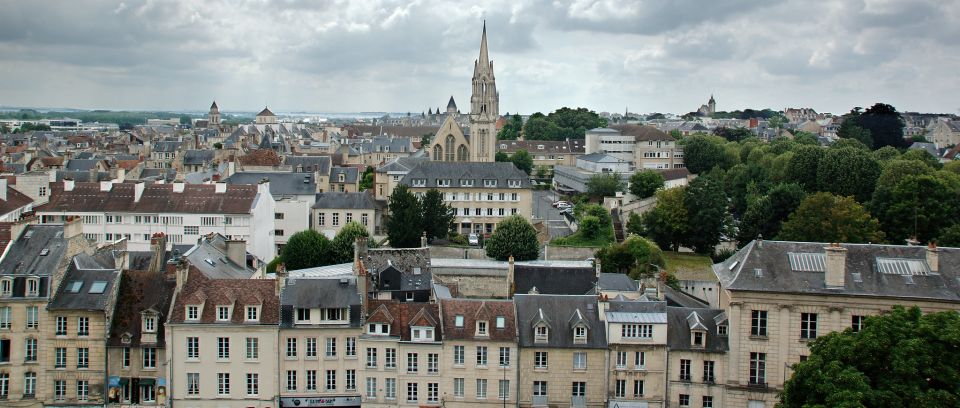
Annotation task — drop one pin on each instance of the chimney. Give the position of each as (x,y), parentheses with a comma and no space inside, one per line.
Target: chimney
(121,175)
(3,188)
(138,191)
(360,271)
(281,278)
(264,187)
(423,240)
(68,184)
(360,249)
(178,186)
(158,248)
(106,185)
(933,257)
(72,227)
(183,269)
(237,252)
(220,187)
(94,174)
(596,267)
(510,277)
(836,265)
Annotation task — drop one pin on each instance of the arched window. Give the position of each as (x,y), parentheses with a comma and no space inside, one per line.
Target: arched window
(437,153)
(449,148)
(462,153)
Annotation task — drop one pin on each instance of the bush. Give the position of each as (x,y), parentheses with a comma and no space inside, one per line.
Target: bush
(513,236)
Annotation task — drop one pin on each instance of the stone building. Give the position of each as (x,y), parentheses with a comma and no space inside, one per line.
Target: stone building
(637,335)
(697,342)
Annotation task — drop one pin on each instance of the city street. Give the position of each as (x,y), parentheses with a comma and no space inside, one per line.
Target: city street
(543,209)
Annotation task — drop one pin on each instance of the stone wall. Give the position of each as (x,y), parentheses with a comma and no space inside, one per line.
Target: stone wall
(568,253)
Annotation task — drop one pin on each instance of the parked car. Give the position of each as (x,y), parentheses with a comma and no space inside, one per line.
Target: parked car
(560,204)
(473,240)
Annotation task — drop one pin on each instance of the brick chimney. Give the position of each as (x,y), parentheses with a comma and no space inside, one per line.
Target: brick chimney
(423,240)
(933,257)
(183,271)
(836,265)
(360,249)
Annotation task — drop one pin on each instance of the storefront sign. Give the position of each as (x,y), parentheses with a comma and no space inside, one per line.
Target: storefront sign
(310,402)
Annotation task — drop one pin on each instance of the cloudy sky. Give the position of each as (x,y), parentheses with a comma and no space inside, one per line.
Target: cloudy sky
(382,55)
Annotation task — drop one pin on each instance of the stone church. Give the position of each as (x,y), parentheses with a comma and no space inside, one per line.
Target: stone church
(450,143)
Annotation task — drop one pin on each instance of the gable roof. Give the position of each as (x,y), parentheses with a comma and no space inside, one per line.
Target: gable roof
(351,175)
(25,255)
(238,293)
(563,312)
(281,183)
(198,157)
(320,164)
(680,322)
(404,315)
(338,293)
(265,112)
(140,291)
(472,311)
(644,133)
(95,287)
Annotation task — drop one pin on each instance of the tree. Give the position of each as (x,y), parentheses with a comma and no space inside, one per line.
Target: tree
(307,249)
(667,222)
(403,225)
(523,160)
(848,172)
(806,138)
(802,168)
(345,239)
(4,128)
(952,167)
(886,153)
(185,120)
(538,127)
(824,217)
(923,156)
(437,216)
(765,214)
(366,182)
(501,157)
(218,145)
(706,206)
(561,124)
(605,185)
(850,129)
(885,126)
(645,183)
(950,236)
(733,134)
(702,153)
(914,363)
(425,140)
(920,206)
(634,256)
(511,130)
(513,236)
(542,172)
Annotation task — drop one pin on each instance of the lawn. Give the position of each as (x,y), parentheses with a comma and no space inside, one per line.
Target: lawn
(689,266)
(578,240)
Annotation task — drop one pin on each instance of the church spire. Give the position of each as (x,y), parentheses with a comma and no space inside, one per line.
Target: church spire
(484,60)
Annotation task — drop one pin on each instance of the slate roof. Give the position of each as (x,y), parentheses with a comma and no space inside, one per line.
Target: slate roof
(167,146)
(635,311)
(929,147)
(533,146)
(320,293)
(862,276)
(404,259)
(239,293)
(554,280)
(680,320)
(265,112)
(617,282)
(81,164)
(644,133)
(157,174)
(209,256)
(156,198)
(281,183)
(599,157)
(333,199)
(475,171)
(351,175)
(401,315)
(88,278)
(381,144)
(402,164)
(198,157)
(320,164)
(560,312)
(140,290)
(474,310)
(24,256)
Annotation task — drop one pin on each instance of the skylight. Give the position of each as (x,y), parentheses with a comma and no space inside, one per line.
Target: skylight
(902,266)
(74,287)
(98,286)
(807,261)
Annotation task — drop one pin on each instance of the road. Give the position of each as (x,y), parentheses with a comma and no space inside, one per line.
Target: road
(543,209)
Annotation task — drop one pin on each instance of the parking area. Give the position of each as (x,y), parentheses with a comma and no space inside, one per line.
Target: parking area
(543,209)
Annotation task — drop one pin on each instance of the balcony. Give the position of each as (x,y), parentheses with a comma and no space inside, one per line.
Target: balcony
(540,400)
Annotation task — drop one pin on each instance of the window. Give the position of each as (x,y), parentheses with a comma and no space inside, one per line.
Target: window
(481,328)
(707,401)
(351,376)
(636,331)
(303,315)
(191,230)
(32,317)
(722,329)
(371,357)
(458,387)
(684,370)
(371,387)
(481,388)
(856,322)
(808,325)
(620,390)
(61,326)
(540,333)
(311,348)
(684,400)
(698,337)
(193,313)
(223,313)
(638,388)
(150,324)
(389,358)
(421,333)
(43,191)
(331,349)
(539,388)
(621,360)
(253,348)
(458,355)
(125,358)
(83,357)
(336,219)
(412,392)
(193,383)
(504,356)
(291,380)
(253,313)
(33,287)
(30,349)
(29,385)
(5,317)
(433,392)
(412,363)
(311,380)
(758,368)
(708,372)
(223,383)
(149,357)
(579,389)
(579,334)
(501,322)
(83,326)
(390,388)
(503,389)
(321,219)
(60,359)
(758,323)
(223,348)
(482,356)
(83,390)
(540,359)
(579,361)
(351,347)
(59,390)
(147,393)
(433,363)
(291,347)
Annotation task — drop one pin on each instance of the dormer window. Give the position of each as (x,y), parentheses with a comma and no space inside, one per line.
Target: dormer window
(193,312)
(501,322)
(698,338)
(443,182)
(722,330)
(340,177)
(466,183)
(482,328)
(303,315)
(458,321)
(378,329)
(421,333)
(6,287)
(418,182)
(513,183)
(253,313)
(540,334)
(490,183)
(579,334)
(149,324)
(223,313)
(33,287)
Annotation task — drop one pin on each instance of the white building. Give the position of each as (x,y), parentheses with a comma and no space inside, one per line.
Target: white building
(183,212)
(293,195)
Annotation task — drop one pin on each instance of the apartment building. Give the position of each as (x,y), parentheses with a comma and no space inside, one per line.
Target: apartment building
(320,324)
(333,210)
(293,194)
(779,296)
(481,194)
(112,211)
(75,346)
(637,335)
(563,351)
(545,153)
(697,342)
(479,353)
(645,147)
(388,176)
(401,347)
(222,334)
(345,179)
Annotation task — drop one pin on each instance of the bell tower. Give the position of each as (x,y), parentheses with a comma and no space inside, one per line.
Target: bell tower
(484,106)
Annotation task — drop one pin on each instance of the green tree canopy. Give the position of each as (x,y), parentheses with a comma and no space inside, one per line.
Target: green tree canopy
(899,359)
(848,172)
(923,156)
(344,241)
(307,249)
(403,225)
(824,217)
(564,123)
(437,216)
(523,160)
(920,206)
(513,236)
(667,223)
(645,183)
(765,214)
(511,130)
(605,185)
(366,182)
(885,126)
(702,153)
(633,256)
(501,157)
(707,214)
(950,236)
(802,168)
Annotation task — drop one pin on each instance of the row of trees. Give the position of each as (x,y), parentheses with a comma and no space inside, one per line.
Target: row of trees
(643,184)
(411,217)
(309,248)
(564,123)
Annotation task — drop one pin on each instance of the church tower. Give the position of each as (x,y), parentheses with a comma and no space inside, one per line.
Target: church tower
(484,107)
(213,117)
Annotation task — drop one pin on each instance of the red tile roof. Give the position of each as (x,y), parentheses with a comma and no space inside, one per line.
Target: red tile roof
(156,198)
(402,315)
(478,310)
(15,199)
(260,157)
(239,293)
